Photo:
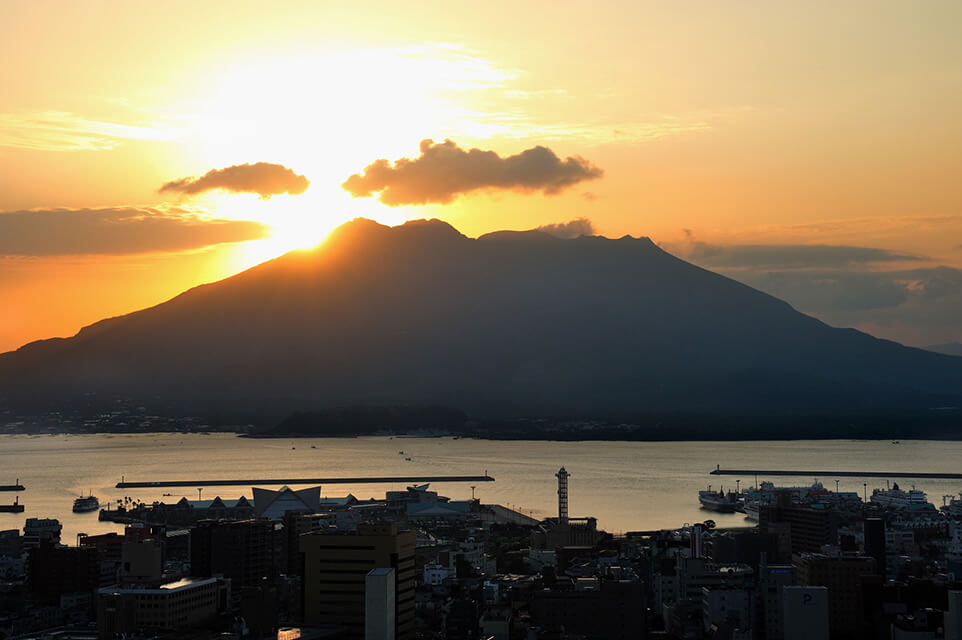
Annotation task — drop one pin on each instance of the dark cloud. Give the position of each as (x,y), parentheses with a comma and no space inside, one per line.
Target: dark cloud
(787,256)
(830,291)
(116,231)
(444,171)
(914,306)
(263,178)
(846,286)
(571,229)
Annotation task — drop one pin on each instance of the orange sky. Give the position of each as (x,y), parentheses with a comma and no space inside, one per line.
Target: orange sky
(716,125)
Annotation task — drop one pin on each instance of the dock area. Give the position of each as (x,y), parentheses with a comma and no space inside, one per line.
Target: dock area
(718,471)
(124,484)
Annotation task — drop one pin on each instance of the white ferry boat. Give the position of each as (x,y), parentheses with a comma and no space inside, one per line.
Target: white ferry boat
(896,498)
(85,504)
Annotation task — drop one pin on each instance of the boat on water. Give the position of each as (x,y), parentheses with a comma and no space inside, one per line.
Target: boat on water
(16,507)
(12,487)
(895,498)
(84,504)
(767,493)
(718,500)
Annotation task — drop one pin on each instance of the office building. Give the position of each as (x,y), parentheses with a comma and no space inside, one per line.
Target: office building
(184,604)
(336,566)
(242,551)
(843,576)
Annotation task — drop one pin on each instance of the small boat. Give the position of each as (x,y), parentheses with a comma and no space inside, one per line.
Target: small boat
(16,507)
(85,504)
(12,487)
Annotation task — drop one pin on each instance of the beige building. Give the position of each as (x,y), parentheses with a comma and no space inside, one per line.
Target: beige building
(336,566)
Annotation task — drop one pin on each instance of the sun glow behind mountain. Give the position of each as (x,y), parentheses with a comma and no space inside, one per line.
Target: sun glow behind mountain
(718,131)
(327,114)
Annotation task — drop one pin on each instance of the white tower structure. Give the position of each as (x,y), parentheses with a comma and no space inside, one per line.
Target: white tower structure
(562,476)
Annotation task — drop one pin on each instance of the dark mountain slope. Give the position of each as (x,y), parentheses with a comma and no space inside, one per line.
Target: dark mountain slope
(505,324)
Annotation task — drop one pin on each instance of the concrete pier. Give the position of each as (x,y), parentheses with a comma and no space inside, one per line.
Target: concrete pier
(292,481)
(718,471)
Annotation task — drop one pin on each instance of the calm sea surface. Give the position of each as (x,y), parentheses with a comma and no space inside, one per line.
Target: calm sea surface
(626,485)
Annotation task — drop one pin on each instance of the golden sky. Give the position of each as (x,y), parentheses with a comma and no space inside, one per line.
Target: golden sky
(812,150)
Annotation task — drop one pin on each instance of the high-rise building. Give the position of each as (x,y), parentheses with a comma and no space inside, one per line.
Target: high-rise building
(562,476)
(336,566)
(843,575)
(240,550)
(41,530)
(772,579)
(874,530)
(55,571)
(810,526)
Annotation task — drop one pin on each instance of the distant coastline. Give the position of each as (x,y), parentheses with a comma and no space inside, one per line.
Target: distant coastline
(435,422)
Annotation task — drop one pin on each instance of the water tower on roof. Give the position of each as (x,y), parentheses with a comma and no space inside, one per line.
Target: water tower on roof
(562,476)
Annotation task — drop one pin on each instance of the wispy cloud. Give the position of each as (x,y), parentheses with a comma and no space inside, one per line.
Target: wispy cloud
(66,131)
(117,231)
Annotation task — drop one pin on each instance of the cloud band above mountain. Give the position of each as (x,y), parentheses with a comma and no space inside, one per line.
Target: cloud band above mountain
(263,178)
(444,171)
(568,230)
(784,256)
(116,231)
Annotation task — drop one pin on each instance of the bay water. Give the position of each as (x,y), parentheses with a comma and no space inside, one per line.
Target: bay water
(627,486)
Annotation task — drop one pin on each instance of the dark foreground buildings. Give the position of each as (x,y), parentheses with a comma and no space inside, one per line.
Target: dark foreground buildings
(336,570)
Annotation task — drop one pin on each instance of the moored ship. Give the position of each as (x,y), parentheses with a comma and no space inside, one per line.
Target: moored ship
(718,500)
(84,504)
(16,507)
(895,498)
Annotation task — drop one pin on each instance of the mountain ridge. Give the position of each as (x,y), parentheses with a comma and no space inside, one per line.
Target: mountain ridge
(506,324)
